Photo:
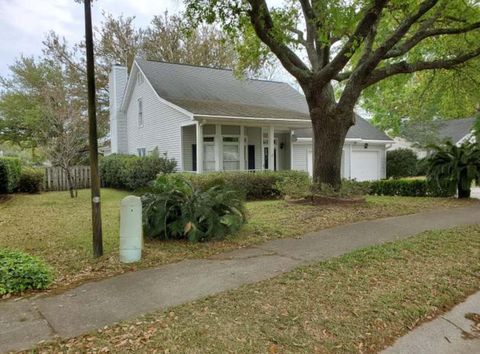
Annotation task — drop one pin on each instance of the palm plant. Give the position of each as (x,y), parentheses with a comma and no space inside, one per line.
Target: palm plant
(455,167)
(175,209)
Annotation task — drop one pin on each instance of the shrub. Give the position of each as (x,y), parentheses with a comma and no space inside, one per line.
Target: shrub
(257,185)
(422,167)
(400,187)
(401,163)
(20,271)
(178,210)
(294,186)
(133,172)
(10,169)
(348,189)
(299,187)
(406,188)
(455,167)
(31,180)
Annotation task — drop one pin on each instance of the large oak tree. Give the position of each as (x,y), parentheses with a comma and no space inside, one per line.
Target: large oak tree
(336,49)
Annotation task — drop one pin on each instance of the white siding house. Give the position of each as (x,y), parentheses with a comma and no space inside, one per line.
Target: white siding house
(208,120)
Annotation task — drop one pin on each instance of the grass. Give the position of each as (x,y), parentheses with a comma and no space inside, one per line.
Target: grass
(360,302)
(57,229)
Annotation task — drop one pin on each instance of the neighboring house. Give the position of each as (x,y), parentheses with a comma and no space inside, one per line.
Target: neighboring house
(209,120)
(402,143)
(457,131)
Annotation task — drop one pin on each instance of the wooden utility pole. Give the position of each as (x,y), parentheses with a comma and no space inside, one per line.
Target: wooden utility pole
(92,135)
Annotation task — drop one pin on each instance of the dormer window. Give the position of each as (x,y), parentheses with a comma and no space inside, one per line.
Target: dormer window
(140,112)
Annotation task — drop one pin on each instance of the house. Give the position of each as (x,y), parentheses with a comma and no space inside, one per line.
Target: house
(457,131)
(209,120)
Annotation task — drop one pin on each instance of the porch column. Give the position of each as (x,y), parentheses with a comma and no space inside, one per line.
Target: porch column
(218,148)
(242,148)
(199,134)
(271,148)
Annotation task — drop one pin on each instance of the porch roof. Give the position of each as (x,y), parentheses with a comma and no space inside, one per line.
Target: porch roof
(361,130)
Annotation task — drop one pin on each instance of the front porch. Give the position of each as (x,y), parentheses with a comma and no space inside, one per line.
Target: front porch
(219,146)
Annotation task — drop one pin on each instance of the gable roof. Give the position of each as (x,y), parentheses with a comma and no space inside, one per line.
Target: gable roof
(361,130)
(455,130)
(207,91)
(217,92)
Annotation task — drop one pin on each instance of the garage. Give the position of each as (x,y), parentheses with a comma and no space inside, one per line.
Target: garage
(365,165)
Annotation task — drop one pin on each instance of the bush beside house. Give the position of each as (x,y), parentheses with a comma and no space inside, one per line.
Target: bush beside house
(132,172)
(402,163)
(257,185)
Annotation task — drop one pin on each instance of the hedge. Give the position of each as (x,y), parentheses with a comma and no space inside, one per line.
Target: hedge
(254,185)
(31,180)
(10,169)
(406,188)
(132,172)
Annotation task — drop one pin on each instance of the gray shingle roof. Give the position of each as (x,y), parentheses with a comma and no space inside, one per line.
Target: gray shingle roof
(361,130)
(456,129)
(209,91)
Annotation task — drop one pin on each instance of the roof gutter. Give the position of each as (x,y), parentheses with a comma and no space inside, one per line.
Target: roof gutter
(352,140)
(252,118)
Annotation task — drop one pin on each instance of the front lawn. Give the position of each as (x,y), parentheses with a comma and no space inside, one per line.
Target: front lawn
(359,302)
(57,228)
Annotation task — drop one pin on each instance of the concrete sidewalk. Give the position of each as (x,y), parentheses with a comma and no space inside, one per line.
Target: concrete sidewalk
(25,322)
(447,334)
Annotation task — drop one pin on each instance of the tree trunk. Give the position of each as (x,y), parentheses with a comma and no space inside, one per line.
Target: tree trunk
(328,139)
(463,192)
(71,183)
(330,127)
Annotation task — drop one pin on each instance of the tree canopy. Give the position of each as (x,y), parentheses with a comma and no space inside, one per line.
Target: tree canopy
(117,41)
(338,49)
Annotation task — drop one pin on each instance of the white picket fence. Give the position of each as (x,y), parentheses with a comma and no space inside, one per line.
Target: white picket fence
(56,178)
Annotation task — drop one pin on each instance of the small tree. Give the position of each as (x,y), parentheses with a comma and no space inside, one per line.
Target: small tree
(401,163)
(455,167)
(40,97)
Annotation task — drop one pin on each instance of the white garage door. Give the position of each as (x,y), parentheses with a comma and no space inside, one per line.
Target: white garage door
(365,165)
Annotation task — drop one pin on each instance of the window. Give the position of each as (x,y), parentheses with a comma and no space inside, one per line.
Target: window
(140,112)
(142,152)
(265,153)
(231,153)
(208,153)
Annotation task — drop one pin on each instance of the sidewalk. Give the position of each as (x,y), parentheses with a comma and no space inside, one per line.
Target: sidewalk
(25,322)
(447,334)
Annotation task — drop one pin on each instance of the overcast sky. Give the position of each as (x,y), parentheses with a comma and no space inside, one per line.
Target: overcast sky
(24,23)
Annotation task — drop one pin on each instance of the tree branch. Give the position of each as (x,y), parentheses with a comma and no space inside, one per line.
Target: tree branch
(354,42)
(404,67)
(368,62)
(402,29)
(421,35)
(312,45)
(263,24)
